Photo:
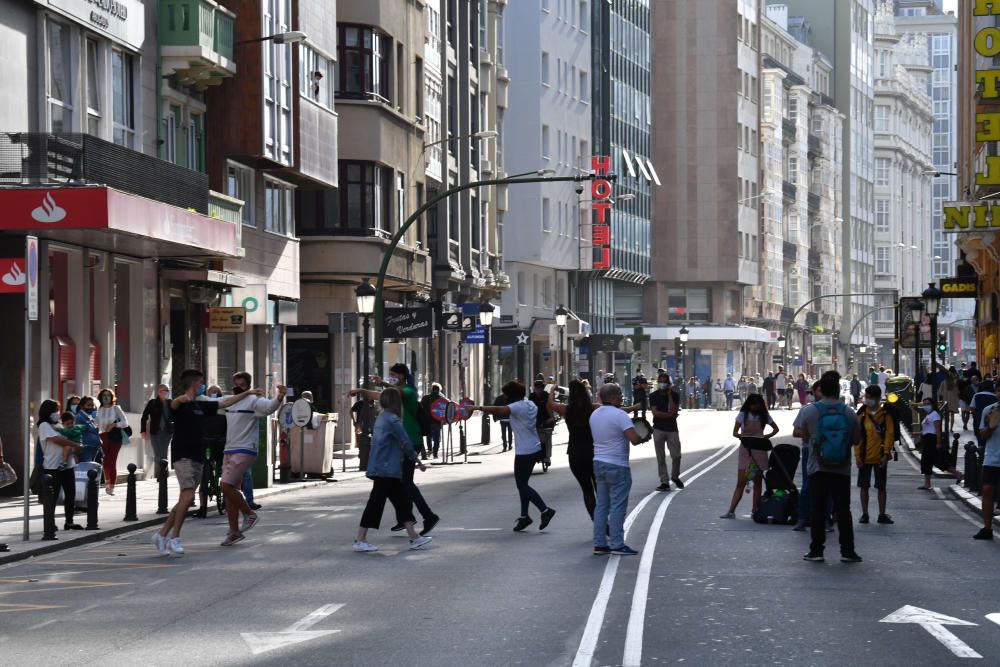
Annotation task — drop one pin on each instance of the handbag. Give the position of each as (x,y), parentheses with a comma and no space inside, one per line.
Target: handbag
(7,473)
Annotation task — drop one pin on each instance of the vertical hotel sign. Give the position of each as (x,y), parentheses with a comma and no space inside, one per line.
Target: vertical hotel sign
(600,194)
(977,216)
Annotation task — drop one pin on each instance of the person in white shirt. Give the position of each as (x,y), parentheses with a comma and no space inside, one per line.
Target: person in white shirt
(883,376)
(52,445)
(111,424)
(613,431)
(781,386)
(242,436)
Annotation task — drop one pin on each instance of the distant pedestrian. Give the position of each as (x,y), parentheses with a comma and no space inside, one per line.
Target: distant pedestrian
(665,404)
(948,398)
(982,399)
(988,429)
(527,449)
(433,434)
(802,388)
(640,393)
(781,384)
(363,416)
(157,425)
(855,390)
(797,431)
(86,416)
(72,404)
(545,422)
(576,412)
(831,429)
(873,375)
(53,463)
(873,451)
(741,390)
(751,421)
(770,391)
(112,424)
(392,444)
(613,432)
(933,444)
(729,389)
(883,377)
(506,436)
(692,394)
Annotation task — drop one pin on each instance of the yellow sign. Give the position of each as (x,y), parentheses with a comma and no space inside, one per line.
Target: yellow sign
(227,320)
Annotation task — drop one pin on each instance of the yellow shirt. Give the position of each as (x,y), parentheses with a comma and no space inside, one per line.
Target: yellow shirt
(877,435)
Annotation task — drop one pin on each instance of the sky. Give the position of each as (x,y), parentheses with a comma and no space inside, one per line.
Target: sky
(951,5)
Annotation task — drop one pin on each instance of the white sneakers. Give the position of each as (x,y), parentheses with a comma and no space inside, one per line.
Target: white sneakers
(249,521)
(420,542)
(160,543)
(176,546)
(364,547)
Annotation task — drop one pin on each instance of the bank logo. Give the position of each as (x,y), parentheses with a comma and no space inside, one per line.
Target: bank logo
(49,212)
(15,276)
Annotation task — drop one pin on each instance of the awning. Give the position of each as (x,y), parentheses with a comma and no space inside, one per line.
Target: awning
(107,219)
(707,333)
(210,276)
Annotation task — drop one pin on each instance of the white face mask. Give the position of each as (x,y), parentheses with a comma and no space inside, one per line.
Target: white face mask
(392,380)
(664,386)
(54,418)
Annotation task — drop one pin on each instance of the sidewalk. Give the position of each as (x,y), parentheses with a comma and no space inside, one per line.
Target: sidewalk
(111,509)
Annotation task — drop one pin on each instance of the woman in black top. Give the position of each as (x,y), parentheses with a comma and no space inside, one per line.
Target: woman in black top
(156,425)
(576,412)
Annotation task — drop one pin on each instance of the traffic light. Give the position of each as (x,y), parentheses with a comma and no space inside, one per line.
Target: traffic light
(942,346)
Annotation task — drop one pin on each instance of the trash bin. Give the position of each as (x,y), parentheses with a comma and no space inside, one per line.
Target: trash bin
(898,398)
(316,440)
(80,473)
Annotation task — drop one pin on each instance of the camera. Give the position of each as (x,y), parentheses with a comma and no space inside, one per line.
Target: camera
(579,188)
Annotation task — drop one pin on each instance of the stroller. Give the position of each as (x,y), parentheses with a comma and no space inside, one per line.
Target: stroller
(780,502)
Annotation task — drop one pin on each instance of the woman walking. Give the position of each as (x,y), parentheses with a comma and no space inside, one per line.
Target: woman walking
(931,441)
(527,450)
(111,423)
(948,394)
(576,412)
(391,444)
(156,425)
(750,422)
(802,388)
(86,416)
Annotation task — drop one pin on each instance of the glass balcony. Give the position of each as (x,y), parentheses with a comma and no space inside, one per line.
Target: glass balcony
(196,41)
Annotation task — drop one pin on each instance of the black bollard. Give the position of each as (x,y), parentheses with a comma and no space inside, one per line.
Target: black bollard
(130,514)
(92,500)
(161,505)
(972,481)
(954,450)
(49,498)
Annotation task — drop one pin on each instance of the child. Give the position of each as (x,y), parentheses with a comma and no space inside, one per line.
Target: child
(71,431)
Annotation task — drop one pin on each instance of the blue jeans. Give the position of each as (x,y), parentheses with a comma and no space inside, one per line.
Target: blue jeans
(613,486)
(523,465)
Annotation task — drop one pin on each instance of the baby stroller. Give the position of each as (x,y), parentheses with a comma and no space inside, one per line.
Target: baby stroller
(780,502)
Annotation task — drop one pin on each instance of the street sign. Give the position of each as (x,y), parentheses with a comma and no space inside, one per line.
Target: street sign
(285,417)
(452,321)
(302,412)
(254,299)
(468,323)
(822,349)
(31,260)
(227,320)
(408,322)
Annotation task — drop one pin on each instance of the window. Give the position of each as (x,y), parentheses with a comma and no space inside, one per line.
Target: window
(365,197)
(194,143)
(239,184)
(93,89)
(522,289)
(793,107)
(401,214)
(60,82)
(545,69)
(546,215)
(277,82)
(545,5)
(546,152)
(881,118)
(882,263)
(362,56)
(170,133)
(584,16)
(882,215)
(316,76)
(584,87)
(688,305)
(793,170)
(881,171)
(278,206)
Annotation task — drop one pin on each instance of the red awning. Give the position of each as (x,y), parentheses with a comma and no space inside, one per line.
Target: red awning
(107,219)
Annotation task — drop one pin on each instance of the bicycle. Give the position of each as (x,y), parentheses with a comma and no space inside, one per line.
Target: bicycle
(210,473)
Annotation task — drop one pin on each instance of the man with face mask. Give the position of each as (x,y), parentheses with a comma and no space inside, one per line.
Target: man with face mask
(664,403)
(874,450)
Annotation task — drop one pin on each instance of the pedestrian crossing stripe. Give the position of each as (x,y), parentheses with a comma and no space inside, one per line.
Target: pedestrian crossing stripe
(37,587)
(4,608)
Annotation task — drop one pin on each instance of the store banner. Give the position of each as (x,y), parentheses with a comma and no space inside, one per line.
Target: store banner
(822,349)
(408,322)
(908,328)
(254,299)
(12,275)
(960,288)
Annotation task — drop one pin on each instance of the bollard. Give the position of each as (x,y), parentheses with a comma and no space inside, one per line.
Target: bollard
(161,505)
(954,450)
(972,479)
(92,496)
(130,514)
(48,508)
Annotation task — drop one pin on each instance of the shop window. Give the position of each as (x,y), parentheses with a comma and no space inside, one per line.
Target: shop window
(362,58)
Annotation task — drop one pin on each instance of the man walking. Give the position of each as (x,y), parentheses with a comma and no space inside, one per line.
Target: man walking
(855,389)
(363,416)
(729,389)
(874,450)
(613,431)
(990,434)
(768,388)
(187,453)
(664,403)
(242,436)
(831,430)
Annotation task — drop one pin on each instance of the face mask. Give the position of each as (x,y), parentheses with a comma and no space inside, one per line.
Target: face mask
(201,390)
(239,389)
(73,408)
(927,408)
(215,394)
(392,380)
(664,386)
(871,403)
(93,413)
(105,400)
(54,418)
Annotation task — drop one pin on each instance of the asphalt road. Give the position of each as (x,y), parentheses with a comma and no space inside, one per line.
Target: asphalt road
(705,591)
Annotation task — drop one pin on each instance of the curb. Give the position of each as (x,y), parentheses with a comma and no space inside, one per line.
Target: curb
(971,500)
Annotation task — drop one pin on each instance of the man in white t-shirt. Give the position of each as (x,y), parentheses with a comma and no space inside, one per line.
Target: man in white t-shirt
(613,431)
(780,384)
(883,376)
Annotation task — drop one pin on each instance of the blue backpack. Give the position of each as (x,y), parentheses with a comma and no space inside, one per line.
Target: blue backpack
(833,437)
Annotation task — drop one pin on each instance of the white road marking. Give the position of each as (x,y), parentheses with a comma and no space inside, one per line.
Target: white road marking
(261,642)
(954,508)
(86,609)
(995,617)
(592,631)
(41,625)
(934,623)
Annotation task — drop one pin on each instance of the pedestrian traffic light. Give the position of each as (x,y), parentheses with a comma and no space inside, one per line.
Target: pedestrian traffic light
(942,345)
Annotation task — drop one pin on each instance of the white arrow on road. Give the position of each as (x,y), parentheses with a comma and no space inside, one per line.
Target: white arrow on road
(261,642)
(934,623)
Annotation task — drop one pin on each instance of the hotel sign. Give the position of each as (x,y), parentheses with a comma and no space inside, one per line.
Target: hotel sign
(600,193)
(978,216)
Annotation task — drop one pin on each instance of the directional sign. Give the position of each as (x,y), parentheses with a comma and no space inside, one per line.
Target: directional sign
(452,321)
(934,623)
(261,642)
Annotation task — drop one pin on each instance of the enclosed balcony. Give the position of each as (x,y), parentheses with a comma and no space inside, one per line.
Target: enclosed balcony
(196,42)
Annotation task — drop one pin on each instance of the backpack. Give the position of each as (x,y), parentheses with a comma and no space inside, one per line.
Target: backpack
(833,436)
(424,414)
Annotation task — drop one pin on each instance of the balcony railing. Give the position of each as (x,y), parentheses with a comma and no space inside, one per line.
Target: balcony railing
(789,190)
(813,203)
(789,250)
(788,128)
(196,41)
(815,147)
(28,158)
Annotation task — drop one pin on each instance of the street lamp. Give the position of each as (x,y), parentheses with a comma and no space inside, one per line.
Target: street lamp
(862,348)
(486,319)
(482,134)
(561,316)
(291,37)
(365,295)
(917,314)
(781,342)
(932,302)
(682,336)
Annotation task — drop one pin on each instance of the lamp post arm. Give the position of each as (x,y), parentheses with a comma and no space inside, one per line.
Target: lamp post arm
(398,236)
(788,325)
(863,317)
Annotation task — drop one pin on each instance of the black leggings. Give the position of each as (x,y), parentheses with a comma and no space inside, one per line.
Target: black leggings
(391,489)
(412,491)
(523,465)
(928,451)
(582,467)
(67,480)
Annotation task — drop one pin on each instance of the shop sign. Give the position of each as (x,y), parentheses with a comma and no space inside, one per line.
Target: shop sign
(12,275)
(123,20)
(822,349)
(908,328)
(253,298)
(600,193)
(408,322)
(54,208)
(960,288)
(977,216)
(231,319)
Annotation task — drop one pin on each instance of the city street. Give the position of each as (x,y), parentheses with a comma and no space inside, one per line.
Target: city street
(703,591)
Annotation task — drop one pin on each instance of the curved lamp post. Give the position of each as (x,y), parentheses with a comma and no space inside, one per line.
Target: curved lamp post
(365,295)
(932,302)
(486,310)
(561,317)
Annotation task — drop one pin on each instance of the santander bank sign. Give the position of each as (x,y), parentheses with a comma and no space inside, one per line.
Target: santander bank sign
(54,208)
